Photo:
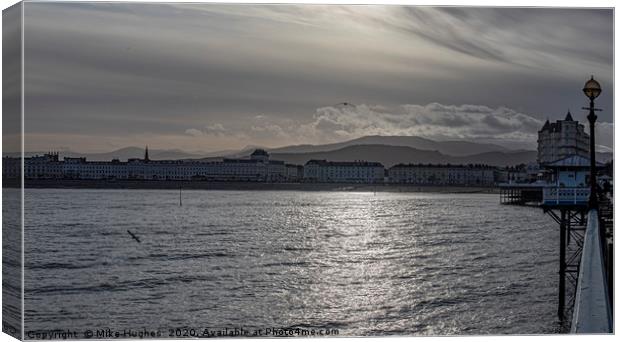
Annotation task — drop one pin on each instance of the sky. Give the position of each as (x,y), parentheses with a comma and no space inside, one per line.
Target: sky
(211,77)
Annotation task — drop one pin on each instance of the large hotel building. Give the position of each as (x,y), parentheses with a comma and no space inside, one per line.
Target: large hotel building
(562,139)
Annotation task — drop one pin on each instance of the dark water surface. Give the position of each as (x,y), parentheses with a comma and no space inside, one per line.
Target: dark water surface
(363,263)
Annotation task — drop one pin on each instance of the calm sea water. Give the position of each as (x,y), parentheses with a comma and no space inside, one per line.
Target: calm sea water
(363,263)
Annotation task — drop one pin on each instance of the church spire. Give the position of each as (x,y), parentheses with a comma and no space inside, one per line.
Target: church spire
(146,153)
(568,116)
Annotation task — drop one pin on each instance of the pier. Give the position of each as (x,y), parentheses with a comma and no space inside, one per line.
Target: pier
(521,194)
(585,284)
(584,214)
(593,308)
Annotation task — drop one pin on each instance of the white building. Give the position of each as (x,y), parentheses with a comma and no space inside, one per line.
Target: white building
(529,173)
(294,173)
(45,166)
(573,171)
(562,139)
(429,174)
(258,168)
(569,182)
(323,171)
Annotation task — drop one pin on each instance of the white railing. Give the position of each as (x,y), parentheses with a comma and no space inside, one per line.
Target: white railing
(593,309)
(563,195)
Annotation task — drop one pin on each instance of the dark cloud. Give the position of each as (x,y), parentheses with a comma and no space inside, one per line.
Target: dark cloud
(198,75)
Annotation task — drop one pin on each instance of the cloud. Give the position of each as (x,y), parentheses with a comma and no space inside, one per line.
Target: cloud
(604,136)
(122,70)
(519,36)
(434,120)
(216,129)
(194,132)
(501,125)
(471,122)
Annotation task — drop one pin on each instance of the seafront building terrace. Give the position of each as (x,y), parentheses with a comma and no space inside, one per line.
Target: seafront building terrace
(258,167)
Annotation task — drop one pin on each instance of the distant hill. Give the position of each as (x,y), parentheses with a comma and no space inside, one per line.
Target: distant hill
(125,153)
(138,152)
(453,148)
(388,150)
(392,155)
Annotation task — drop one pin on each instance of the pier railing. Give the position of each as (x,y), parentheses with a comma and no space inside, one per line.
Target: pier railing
(593,308)
(565,195)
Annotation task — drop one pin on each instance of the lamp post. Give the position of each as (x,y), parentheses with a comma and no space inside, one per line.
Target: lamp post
(592,89)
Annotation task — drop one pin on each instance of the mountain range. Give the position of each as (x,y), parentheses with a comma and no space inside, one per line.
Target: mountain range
(388,150)
(453,147)
(123,154)
(392,155)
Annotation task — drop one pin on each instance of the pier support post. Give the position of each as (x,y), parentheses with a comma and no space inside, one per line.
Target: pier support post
(569,217)
(562,285)
(572,227)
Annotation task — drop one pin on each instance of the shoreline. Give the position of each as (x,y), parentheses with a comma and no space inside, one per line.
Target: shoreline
(205,185)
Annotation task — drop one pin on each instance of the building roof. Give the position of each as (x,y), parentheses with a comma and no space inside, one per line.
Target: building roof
(454,166)
(241,161)
(557,126)
(573,161)
(552,127)
(343,163)
(259,152)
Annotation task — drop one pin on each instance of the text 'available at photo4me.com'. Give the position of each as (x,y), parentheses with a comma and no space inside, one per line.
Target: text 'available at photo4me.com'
(205,332)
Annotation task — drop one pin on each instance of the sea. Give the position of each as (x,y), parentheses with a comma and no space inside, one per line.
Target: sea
(333,262)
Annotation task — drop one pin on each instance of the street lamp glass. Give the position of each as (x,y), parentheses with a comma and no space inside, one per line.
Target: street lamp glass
(592,89)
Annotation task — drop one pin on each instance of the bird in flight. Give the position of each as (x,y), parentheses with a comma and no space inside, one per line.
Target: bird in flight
(133,236)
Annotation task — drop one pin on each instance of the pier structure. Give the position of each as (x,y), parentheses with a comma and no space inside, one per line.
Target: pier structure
(572,222)
(568,200)
(593,299)
(585,274)
(572,196)
(521,194)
